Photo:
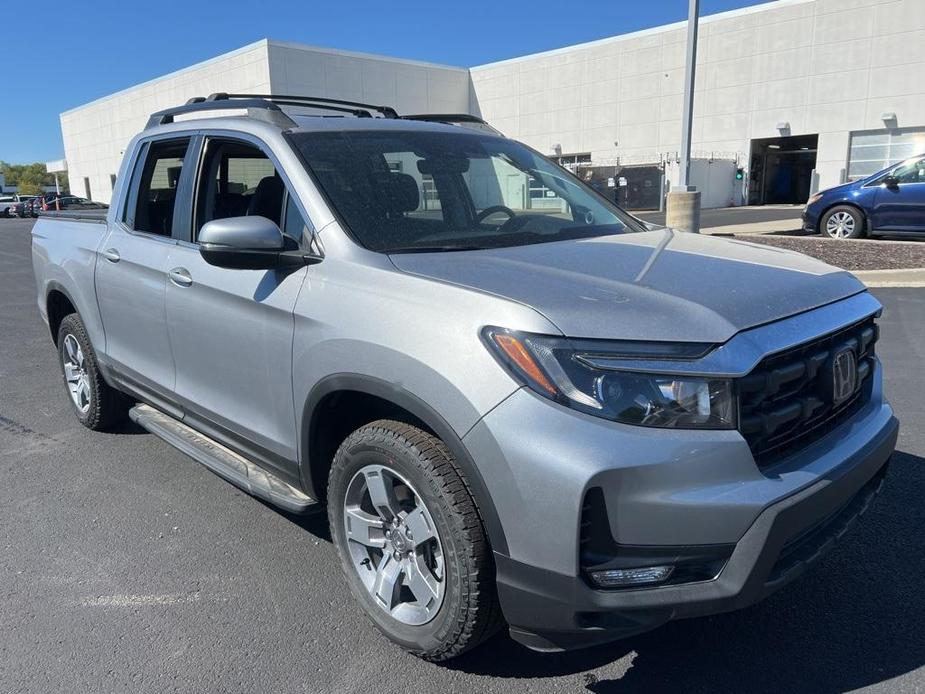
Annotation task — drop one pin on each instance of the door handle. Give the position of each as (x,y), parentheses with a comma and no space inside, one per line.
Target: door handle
(180,276)
(112,255)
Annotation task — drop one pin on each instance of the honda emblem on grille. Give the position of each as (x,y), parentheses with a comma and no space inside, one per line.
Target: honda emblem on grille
(844,376)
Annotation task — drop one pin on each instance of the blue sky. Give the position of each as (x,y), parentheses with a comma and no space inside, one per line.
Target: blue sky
(98,47)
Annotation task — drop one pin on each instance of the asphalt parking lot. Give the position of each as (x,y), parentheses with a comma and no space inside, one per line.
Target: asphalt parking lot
(125,566)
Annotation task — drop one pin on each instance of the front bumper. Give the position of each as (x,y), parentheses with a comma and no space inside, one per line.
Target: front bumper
(687,491)
(810,220)
(551,612)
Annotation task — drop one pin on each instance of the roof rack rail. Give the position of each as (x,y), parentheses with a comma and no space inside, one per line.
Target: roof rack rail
(446,118)
(452,119)
(316,101)
(256,108)
(267,107)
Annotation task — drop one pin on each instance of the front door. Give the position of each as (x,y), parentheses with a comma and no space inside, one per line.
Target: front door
(231,331)
(900,203)
(131,271)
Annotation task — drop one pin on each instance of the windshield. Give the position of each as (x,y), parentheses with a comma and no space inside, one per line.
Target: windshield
(417,191)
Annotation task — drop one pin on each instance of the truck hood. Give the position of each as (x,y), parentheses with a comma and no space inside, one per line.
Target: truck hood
(657,285)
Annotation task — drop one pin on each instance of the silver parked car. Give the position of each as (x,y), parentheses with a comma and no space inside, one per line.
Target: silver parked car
(517,404)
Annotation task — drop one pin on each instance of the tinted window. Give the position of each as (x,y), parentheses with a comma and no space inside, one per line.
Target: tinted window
(419,190)
(294,225)
(157,179)
(237,179)
(911,172)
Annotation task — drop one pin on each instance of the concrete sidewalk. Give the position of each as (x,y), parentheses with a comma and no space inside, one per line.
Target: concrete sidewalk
(892,278)
(769,227)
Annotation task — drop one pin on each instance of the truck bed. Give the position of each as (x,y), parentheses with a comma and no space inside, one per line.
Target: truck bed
(65,249)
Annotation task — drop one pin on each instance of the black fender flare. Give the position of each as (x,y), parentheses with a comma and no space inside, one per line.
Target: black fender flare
(403,398)
(56,286)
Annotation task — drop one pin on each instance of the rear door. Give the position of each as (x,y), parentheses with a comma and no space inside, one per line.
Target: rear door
(901,207)
(231,331)
(131,272)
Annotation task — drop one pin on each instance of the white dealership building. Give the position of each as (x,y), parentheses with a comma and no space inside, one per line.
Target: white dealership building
(795,93)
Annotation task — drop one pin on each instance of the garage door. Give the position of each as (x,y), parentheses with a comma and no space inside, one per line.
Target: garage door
(875,150)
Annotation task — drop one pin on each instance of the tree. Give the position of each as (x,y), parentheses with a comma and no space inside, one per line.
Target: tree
(30,178)
(30,184)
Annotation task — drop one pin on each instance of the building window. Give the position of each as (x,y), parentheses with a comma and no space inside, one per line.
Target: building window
(112,181)
(875,150)
(87,188)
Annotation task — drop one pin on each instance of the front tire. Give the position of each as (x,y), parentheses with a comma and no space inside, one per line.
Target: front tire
(843,222)
(411,542)
(97,405)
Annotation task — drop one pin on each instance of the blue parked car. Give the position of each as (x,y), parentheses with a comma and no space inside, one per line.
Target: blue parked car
(890,202)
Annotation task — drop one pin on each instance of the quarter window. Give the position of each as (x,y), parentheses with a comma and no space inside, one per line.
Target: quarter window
(294,225)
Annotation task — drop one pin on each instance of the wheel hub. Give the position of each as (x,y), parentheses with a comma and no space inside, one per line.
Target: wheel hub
(840,225)
(393,545)
(76,373)
(399,538)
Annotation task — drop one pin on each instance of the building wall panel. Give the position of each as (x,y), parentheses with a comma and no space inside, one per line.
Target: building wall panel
(826,67)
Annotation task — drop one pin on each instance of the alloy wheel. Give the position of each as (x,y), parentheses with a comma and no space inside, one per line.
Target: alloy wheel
(840,225)
(75,374)
(394,545)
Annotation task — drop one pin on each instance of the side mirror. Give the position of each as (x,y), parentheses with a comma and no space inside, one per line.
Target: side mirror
(891,181)
(247,243)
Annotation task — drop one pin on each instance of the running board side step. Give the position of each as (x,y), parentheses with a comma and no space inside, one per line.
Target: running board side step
(224,462)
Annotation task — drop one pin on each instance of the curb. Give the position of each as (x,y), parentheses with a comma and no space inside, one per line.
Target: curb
(754,229)
(892,278)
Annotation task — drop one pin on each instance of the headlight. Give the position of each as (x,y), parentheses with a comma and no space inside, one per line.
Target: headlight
(814,199)
(563,370)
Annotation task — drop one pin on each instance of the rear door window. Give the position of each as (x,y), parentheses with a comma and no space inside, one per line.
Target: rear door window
(156,180)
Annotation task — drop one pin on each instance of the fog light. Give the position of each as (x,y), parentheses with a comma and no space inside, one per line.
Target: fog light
(619,578)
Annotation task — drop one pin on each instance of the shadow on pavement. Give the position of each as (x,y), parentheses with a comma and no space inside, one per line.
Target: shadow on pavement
(127,427)
(315,523)
(856,619)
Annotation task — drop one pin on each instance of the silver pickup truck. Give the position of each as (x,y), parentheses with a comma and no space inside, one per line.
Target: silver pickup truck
(517,404)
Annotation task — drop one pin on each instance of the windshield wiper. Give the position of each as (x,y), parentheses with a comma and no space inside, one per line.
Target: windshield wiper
(433,249)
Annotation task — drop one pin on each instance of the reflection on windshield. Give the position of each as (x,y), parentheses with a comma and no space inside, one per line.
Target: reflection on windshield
(420,191)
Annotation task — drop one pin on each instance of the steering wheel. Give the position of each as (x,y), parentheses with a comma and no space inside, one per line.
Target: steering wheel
(489,211)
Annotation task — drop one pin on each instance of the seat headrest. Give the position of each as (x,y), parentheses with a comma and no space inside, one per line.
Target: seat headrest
(401,191)
(267,200)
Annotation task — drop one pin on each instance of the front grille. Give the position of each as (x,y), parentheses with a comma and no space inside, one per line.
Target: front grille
(786,402)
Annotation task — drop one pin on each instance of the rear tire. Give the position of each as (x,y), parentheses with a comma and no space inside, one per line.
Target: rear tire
(97,405)
(460,609)
(843,222)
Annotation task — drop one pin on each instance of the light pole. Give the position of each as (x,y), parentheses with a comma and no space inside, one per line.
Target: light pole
(684,199)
